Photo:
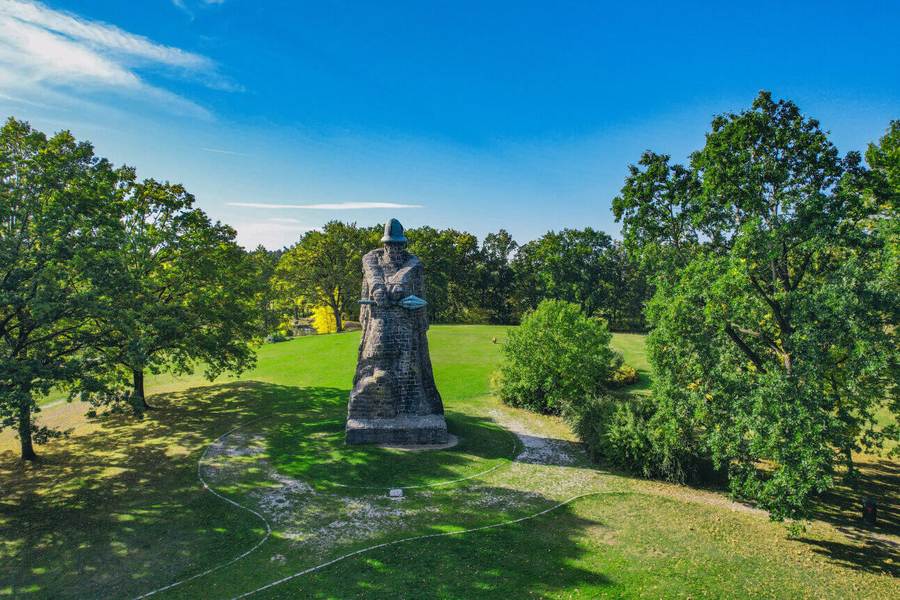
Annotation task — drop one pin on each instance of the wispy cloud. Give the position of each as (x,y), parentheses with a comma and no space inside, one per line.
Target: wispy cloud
(327,206)
(182,5)
(229,152)
(45,53)
(269,234)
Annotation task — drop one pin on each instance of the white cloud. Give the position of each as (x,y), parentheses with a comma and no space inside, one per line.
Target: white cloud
(183,6)
(45,53)
(220,151)
(100,35)
(271,235)
(328,206)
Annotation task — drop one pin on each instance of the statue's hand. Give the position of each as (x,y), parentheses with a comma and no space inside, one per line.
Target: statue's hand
(397,292)
(379,295)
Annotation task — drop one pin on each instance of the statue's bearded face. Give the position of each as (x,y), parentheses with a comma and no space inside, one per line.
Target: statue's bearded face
(394,251)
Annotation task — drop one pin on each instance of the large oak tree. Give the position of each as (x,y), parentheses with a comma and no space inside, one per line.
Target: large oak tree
(191,296)
(771,343)
(59,233)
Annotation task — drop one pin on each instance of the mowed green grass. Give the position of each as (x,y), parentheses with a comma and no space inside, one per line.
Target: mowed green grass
(116,510)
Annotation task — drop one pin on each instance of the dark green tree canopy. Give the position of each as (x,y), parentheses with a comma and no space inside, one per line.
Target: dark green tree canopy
(59,232)
(583,266)
(191,290)
(770,341)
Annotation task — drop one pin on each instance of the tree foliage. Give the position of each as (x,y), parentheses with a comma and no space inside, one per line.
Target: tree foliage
(325,268)
(557,357)
(449,257)
(496,278)
(58,226)
(583,266)
(770,343)
(104,277)
(191,291)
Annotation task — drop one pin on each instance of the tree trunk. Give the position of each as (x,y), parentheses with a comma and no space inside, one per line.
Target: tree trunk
(25,429)
(138,377)
(338,324)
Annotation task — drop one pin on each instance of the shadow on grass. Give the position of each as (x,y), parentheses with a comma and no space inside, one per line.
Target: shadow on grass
(118,511)
(103,514)
(867,548)
(316,453)
(534,558)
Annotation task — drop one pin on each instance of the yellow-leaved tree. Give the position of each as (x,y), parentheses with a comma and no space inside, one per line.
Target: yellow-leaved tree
(323,320)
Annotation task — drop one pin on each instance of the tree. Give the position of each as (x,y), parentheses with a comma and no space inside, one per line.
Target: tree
(631,291)
(575,265)
(59,229)
(496,277)
(557,357)
(270,310)
(325,268)
(191,292)
(881,193)
(449,257)
(656,206)
(767,342)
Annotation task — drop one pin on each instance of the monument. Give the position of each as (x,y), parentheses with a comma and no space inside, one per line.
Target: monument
(394,399)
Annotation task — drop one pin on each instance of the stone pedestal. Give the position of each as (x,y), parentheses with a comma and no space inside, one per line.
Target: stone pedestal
(411,430)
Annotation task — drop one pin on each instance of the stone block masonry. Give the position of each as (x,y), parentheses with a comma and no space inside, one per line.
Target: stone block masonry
(394,399)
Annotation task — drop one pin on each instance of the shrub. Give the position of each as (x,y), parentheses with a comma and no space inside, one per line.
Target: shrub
(556,357)
(625,431)
(624,375)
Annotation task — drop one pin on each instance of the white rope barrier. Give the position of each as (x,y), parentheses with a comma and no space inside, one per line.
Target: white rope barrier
(268,534)
(228,500)
(411,539)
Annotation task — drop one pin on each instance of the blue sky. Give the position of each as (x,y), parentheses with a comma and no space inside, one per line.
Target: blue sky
(280,116)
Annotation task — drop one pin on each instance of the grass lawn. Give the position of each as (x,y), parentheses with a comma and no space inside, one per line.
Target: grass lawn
(117,510)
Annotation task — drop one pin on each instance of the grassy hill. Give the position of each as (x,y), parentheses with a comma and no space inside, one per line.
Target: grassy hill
(117,510)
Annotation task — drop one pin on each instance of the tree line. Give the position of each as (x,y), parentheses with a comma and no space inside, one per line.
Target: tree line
(494,281)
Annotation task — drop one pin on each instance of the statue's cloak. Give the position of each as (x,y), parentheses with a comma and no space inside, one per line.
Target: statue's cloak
(394,383)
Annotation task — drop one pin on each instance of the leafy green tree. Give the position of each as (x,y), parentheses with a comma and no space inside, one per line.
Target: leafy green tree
(449,257)
(496,279)
(657,209)
(624,310)
(191,295)
(270,310)
(881,192)
(557,357)
(325,268)
(768,343)
(59,229)
(575,265)
(884,161)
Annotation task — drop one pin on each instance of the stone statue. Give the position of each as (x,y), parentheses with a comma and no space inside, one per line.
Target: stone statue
(394,399)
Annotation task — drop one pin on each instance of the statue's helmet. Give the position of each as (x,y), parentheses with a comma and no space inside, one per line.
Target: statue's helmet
(393,233)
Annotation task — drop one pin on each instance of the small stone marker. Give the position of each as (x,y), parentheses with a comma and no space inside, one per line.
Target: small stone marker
(396,493)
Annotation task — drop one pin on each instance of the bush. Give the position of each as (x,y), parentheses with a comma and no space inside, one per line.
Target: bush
(624,375)
(556,357)
(625,431)
(615,430)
